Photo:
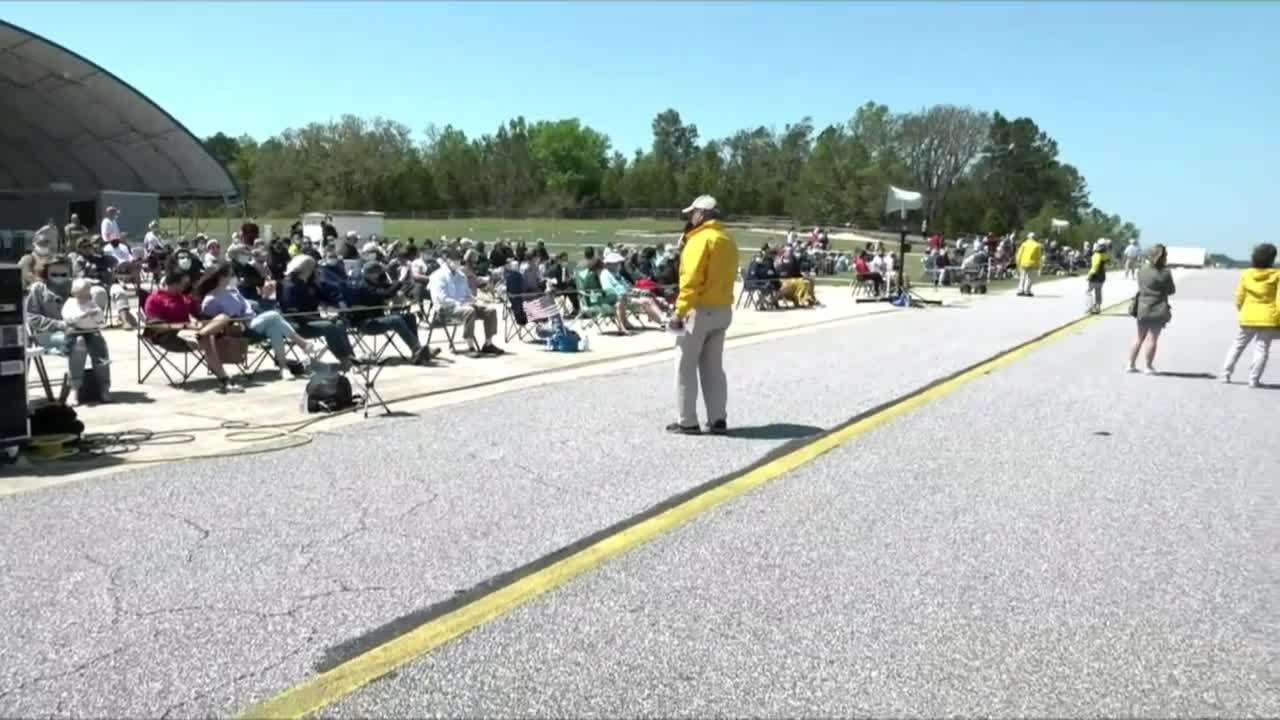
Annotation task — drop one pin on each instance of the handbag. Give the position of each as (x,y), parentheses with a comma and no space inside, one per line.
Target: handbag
(232,347)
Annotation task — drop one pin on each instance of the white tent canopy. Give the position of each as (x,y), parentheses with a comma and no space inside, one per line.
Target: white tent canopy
(1057,224)
(899,200)
(69,124)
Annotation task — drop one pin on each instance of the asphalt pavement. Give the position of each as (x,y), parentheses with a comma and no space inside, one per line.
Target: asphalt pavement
(1056,539)
(200,588)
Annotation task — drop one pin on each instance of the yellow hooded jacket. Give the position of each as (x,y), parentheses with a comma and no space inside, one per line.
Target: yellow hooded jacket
(708,268)
(1257,298)
(1029,254)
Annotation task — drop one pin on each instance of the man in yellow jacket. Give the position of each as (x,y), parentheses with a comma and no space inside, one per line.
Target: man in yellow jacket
(1030,255)
(1258,303)
(703,311)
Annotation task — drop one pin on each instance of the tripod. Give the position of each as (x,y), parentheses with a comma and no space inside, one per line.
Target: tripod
(900,293)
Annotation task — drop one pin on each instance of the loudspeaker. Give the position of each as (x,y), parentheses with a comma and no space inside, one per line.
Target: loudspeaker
(14,428)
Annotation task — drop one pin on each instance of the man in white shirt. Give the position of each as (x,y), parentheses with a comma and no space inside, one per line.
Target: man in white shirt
(452,299)
(110,229)
(1131,254)
(47,235)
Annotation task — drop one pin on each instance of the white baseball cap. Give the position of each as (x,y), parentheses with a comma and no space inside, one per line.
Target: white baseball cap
(702,202)
(613,257)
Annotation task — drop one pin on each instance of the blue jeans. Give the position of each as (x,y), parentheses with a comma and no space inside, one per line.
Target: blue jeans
(406,326)
(274,328)
(78,348)
(334,334)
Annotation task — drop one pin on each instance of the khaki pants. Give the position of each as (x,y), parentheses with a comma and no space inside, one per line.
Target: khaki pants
(1026,278)
(1261,339)
(700,357)
(467,314)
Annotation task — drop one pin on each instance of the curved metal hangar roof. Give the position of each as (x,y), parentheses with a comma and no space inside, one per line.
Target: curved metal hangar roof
(65,121)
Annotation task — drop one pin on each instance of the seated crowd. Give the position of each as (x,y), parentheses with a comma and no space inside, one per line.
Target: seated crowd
(301,299)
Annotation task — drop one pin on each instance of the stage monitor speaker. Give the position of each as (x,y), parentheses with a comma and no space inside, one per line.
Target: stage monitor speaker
(14,428)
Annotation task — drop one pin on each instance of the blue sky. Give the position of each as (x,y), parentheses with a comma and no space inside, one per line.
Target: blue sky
(1167,108)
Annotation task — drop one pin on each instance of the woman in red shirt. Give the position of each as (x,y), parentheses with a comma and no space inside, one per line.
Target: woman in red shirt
(170,309)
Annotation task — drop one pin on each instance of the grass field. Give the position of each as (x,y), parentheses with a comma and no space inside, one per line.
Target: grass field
(567,235)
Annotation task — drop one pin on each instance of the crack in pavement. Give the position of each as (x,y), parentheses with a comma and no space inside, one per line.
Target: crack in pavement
(75,670)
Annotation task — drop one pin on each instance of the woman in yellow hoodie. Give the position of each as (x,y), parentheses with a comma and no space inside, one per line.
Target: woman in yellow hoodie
(1259,310)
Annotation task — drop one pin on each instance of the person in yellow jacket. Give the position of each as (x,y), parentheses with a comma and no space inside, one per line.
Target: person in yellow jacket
(703,311)
(1097,276)
(1030,255)
(1258,303)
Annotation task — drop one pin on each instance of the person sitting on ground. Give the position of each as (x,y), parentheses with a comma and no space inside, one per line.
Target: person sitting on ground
(452,299)
(372,295)
(219,296)
(301,298)
(796,287)
(619,291)
(46,322)
(169,309)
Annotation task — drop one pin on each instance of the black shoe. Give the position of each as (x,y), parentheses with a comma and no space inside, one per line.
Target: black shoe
(718,427)
(678,429)
(295,368)
(491,349)
(422,356)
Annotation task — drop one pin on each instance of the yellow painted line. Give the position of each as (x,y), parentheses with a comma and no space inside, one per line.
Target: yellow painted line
(333,685)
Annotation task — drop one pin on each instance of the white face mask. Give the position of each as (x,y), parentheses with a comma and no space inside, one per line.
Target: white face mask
(453,266)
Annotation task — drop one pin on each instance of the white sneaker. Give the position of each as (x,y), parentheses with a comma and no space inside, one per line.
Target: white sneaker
(1131,369)
(1148,370)
(1224,378)
(1254,384)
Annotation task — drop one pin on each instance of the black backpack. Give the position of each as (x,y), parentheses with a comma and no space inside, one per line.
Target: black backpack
(328,393)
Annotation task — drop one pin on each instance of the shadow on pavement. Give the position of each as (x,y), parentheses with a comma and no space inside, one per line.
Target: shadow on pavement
(1187,375)
(776,431)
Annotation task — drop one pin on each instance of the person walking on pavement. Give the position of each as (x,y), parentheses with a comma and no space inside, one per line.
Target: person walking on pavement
(1258,303)
(703,311)
(1132,260)
(1030,255)
(1151,308)
(1097,275)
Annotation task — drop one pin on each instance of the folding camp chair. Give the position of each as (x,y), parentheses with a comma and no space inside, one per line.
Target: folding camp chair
(861,285)
(440,321)
(162,347)
(595,307)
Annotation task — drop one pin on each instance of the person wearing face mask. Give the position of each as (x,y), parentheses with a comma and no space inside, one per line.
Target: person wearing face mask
(46,324)
(372,295)
(185,262)
(219,296)
(301,297)
(170,309)
(452,298)
(258,289)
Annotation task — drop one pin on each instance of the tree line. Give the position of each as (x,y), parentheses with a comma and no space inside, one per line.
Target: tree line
(978,171)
